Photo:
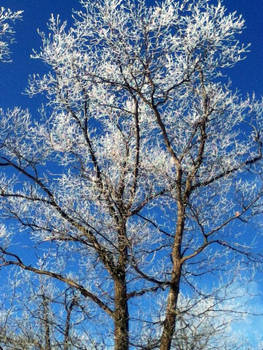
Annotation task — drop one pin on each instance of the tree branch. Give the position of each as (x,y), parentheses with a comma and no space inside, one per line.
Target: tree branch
(18,262)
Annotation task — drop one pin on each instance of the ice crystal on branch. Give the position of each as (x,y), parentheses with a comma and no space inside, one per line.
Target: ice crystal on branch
(6,30)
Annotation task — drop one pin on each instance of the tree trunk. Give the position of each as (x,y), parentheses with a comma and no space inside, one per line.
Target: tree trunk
(170,319)
(170,316)
(121,315)
(46,322)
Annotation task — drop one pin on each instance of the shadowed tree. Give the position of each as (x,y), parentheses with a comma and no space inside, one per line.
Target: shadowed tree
(138,182)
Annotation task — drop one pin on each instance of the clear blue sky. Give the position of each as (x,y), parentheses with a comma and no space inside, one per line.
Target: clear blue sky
(247,76)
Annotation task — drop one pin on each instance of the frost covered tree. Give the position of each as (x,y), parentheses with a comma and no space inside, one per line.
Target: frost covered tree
(137,184)
(44,317)
(41,317)
(6,31)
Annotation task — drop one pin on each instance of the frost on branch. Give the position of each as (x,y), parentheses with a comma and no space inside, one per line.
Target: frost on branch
(6,30)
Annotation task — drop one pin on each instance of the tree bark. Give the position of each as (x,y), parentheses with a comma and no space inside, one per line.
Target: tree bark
(46,323)
(170,316)
(121,314)
(170,319)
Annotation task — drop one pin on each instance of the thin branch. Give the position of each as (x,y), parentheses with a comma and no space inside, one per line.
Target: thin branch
(87,294)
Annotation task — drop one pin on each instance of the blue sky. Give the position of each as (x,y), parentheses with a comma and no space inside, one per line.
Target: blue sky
(248,75)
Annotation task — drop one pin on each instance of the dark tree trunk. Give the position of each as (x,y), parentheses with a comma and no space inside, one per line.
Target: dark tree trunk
(170,319)
(121,315)
(171,308)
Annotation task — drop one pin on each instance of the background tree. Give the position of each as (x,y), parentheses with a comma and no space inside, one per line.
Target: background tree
(42,317)
(6,31)
(137,183)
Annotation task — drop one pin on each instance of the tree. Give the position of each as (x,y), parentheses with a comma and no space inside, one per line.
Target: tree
(6,30)
(138,181)
(46,317)
(42,317)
